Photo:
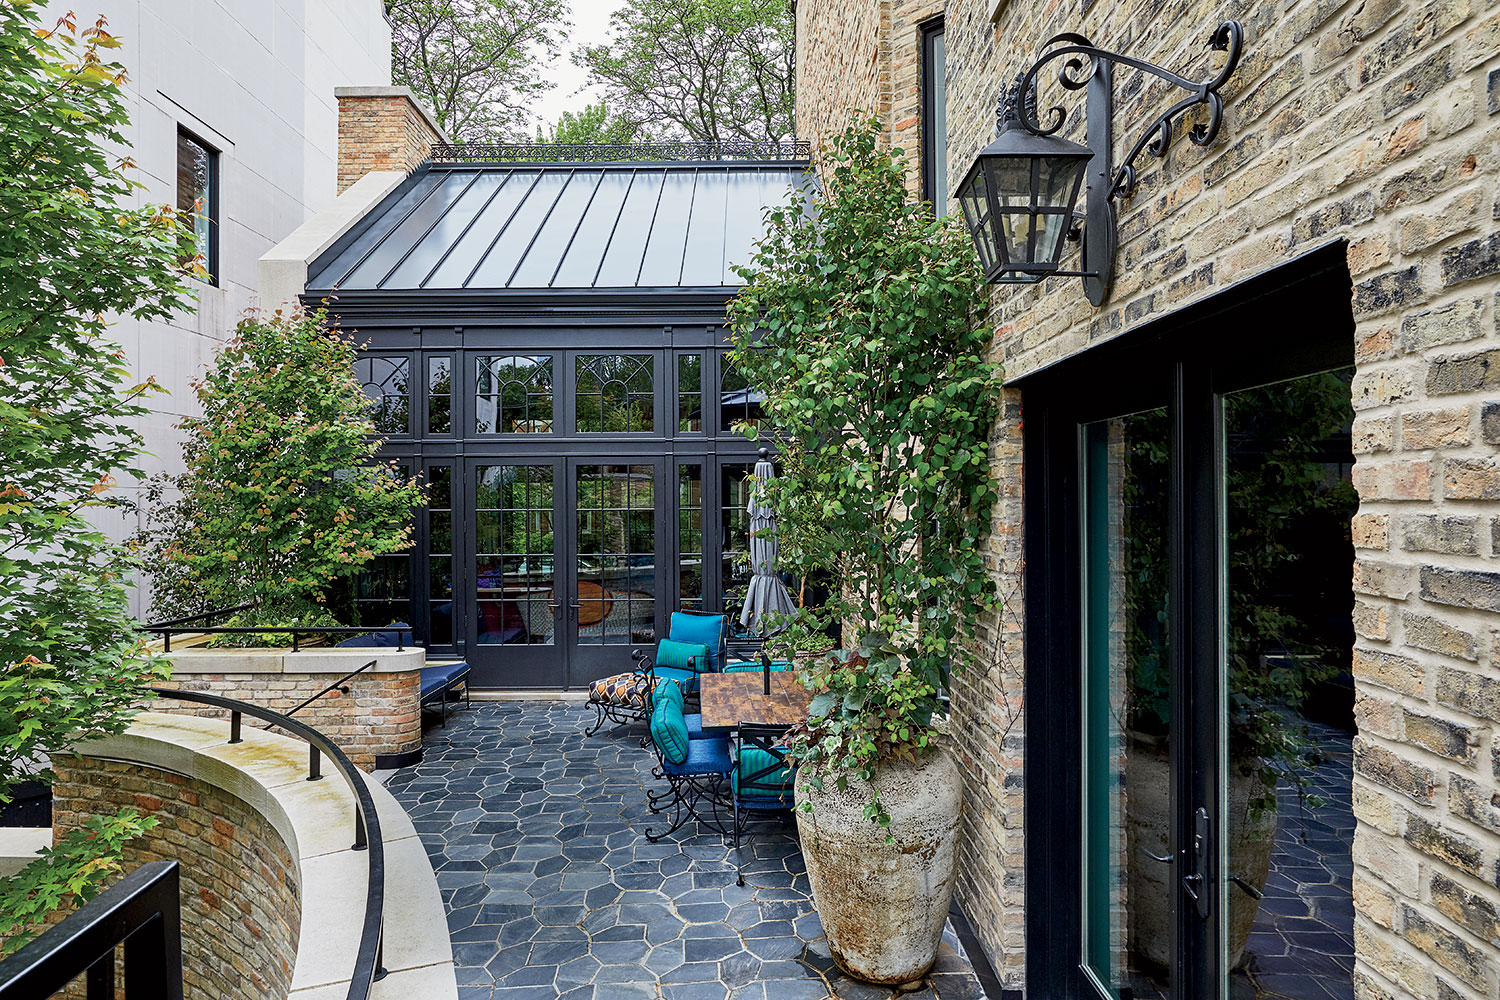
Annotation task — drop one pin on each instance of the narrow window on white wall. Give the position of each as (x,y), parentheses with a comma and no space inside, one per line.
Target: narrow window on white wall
(198,199)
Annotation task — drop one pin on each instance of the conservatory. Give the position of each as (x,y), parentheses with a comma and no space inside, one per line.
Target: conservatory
(545,345)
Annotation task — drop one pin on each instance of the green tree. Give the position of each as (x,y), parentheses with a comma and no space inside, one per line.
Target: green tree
(73,249)
(705,70)
(476,63)
(281,496)
(595,124)
(864,326)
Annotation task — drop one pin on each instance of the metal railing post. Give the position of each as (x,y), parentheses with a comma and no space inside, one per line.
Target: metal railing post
(100,982)
(314,763)
(294,640)
(361,839)
(234,728)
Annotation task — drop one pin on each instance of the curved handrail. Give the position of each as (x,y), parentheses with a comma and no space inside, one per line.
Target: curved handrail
(367,963)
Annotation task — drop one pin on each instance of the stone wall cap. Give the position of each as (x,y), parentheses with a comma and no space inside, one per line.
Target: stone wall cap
(268,771)
(317,660)
(405,92)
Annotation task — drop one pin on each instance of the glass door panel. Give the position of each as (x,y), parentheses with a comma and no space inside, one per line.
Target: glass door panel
(616,575)
(1128,870)
(1287,717)
(515,558)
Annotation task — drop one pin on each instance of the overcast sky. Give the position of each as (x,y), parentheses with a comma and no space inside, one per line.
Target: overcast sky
(590,27)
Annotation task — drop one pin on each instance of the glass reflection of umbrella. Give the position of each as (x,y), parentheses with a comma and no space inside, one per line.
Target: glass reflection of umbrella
(767,600)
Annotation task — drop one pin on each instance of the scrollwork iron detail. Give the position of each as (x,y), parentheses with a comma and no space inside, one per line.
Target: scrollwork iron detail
(1080,61)
(552,152)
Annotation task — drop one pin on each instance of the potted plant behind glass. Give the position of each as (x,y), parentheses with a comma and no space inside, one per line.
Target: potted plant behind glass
(862,321)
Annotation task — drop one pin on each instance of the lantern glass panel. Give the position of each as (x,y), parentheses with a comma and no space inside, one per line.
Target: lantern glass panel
(975,202)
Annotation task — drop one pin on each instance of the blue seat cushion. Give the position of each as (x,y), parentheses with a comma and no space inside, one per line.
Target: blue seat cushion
(745,666)
(669,732)
(381,638)
(705,629)
(765,791)
(687,680)
(710,756)
(442,676)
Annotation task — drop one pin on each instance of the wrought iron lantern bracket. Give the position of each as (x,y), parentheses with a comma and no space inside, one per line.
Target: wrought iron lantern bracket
(1085,66)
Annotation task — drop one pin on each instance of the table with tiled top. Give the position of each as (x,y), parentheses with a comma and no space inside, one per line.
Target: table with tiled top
(732,698)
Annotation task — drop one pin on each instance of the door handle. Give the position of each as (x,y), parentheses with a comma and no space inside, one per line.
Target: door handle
(1250,890)
(1193,882)
(1165,859)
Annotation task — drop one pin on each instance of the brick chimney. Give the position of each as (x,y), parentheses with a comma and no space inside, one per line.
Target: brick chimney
(382,128)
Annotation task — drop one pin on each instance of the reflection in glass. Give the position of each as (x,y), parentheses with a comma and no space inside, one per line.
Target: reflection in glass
(734,539)
(513,394)
(515,571)
(615,393)
(385,381)
(739,402)
(690,393)
(690,536)
(440,555)
(1128,914)
(1288,729)
(616,554)
(382,590)
(439,395)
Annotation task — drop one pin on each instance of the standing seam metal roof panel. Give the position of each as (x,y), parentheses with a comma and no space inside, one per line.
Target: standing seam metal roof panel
(582,225)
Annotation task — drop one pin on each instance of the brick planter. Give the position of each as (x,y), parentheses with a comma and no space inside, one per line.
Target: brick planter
(378,723)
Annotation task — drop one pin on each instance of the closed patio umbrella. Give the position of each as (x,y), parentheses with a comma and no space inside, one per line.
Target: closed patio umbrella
(767,594)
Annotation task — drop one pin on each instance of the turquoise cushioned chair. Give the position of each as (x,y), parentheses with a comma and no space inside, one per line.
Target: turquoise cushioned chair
(695,770)
(761,779)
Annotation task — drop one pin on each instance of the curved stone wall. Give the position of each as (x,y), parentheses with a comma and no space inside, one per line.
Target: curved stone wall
(241,901)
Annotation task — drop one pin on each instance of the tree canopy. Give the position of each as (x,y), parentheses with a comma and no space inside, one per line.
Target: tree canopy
(476,63)
(594,124)
(74,248)
(705,70)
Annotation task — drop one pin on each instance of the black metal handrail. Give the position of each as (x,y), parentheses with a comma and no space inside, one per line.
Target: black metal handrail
(166,631)
(336,685)
(143,910)
(368,965)
(187,619)
(618,152)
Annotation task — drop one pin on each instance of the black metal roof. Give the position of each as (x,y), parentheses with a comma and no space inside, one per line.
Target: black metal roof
(577,225)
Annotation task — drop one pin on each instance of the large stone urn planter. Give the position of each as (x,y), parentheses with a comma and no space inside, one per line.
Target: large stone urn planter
(883,907)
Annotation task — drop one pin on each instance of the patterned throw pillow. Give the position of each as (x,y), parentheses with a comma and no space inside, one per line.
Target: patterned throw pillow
(627,690)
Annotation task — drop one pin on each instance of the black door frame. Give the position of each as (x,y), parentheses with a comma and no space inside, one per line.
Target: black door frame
(1292,320)
(666,323)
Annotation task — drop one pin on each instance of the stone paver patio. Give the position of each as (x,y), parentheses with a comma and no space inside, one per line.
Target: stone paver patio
(537,835)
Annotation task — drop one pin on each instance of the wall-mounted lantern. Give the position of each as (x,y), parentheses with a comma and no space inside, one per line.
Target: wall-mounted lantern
(1019,196)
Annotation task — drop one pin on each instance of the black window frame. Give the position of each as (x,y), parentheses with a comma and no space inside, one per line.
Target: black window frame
(212,207)
(929,31)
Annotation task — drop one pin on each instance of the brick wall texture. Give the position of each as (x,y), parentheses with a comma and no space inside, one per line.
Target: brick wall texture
(1372,121)
(384,132)
(379,715)
(241,902)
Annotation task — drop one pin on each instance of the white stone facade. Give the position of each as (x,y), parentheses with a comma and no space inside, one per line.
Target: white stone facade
(256,80)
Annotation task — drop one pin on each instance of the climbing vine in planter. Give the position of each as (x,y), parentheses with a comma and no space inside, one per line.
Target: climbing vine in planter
(862,321)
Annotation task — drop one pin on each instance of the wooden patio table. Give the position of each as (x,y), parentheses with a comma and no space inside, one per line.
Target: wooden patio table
(730,699)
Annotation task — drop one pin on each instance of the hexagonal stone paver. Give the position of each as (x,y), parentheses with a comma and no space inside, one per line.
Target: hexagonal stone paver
(537,836)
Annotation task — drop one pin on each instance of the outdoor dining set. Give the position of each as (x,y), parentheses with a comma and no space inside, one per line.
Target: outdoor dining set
(715,724)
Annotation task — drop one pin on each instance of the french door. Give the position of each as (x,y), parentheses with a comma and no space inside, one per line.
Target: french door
(1188,620)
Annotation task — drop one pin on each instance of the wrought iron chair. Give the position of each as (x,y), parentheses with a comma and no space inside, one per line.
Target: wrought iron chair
(761,781)
(695,770)
(694,645)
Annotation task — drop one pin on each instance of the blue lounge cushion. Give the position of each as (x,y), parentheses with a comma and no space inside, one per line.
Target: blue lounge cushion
(745,666)
(694,721)
(707,630)
(682,655)
(382,638)
(687,680)
(765,791)
(709,756)
(669,731)
(441,677)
